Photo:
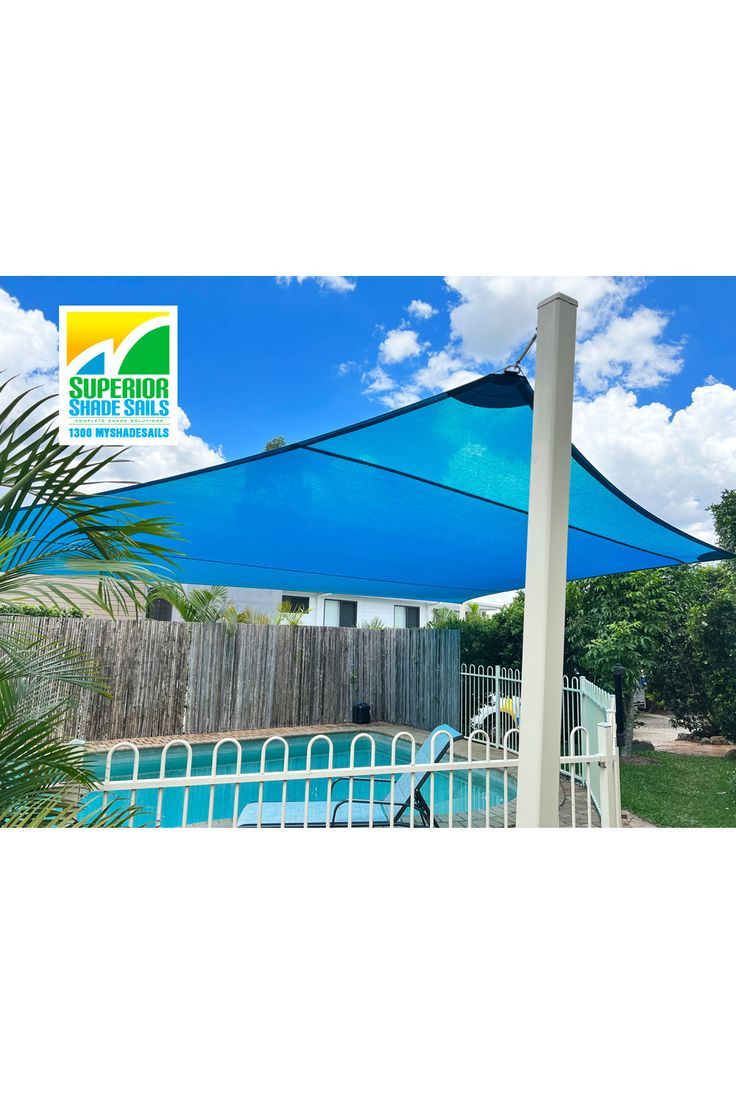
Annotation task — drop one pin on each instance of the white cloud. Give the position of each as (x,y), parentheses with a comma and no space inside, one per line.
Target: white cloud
(29,342)
(144,464)
(377,381)
(629,350)
(498,314)
(398,345)
(420,309)
(331,283)
(442,373)
(673,463)
(29,351)
(336,283)
(404,396)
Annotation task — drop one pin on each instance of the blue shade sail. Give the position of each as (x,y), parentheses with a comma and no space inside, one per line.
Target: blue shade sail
(427,502)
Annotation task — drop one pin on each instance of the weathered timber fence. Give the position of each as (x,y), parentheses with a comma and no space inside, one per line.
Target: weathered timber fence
(172,679)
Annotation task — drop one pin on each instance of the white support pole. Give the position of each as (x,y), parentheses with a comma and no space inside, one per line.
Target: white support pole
(546,566)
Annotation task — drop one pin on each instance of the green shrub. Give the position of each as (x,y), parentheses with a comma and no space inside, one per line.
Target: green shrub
(487,641)
(37,611)
(694,671)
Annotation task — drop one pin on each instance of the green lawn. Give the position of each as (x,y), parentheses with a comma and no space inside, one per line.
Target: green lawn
(675,790)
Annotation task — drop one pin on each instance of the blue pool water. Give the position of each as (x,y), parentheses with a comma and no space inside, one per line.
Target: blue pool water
(225,795)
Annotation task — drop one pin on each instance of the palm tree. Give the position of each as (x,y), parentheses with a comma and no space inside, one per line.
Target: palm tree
(287,614)
(209,605)
(444,618)
(41,778)
(375,623)
(212,605)
(48,527)
(250,616)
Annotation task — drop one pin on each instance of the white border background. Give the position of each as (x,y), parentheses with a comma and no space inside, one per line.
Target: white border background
(367,138)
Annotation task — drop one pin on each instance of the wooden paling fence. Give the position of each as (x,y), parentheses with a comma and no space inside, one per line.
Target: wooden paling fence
(175,679)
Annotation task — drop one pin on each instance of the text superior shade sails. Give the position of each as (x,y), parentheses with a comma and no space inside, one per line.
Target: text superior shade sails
(427,502)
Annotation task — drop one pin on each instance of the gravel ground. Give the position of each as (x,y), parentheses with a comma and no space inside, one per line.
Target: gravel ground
(657,729)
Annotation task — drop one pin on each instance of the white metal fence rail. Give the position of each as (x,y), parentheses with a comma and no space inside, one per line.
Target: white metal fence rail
(490,707)
(443,782)
(490,702)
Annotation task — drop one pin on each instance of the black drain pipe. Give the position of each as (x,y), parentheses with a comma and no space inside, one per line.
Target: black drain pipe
(618,687)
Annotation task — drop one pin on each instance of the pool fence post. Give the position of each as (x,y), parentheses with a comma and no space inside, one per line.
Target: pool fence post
(546,566)
(609,810)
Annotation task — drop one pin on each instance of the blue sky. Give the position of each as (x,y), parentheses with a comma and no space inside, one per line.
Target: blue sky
(274,349)
(701,312)
(259,357)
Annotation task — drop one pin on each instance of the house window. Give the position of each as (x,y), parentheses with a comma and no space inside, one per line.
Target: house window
(341,614)
(159,609)
(296,604)
(406,616)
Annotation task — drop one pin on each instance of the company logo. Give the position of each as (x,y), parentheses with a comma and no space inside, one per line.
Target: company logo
(117,375)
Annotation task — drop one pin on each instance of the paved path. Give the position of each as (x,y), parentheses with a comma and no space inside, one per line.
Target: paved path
(248,734)
(657,729)
(573,798)
(628,819)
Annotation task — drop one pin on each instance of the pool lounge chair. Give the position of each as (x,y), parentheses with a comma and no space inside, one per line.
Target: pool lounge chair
(271,812)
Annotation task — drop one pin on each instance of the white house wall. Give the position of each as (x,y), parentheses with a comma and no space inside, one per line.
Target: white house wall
(268,601)
(369,608)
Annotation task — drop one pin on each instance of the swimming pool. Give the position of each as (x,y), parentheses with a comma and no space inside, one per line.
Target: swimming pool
(224,796)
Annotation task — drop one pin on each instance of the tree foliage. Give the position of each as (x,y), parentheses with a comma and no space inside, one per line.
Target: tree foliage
(20,609)
(623,619)
(487,641)
(676,626)
(724,517)
(694,672)
(274,443)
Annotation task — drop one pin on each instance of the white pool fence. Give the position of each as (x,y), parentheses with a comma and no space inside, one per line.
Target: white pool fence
(490,706)
(466,783)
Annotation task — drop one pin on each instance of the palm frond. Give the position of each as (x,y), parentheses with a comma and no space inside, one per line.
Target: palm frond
(33,761)
(50,811)
(208,604)
(287,614)
(250,616)
(49,525)
(203,605)
(172,592)
(26,654)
